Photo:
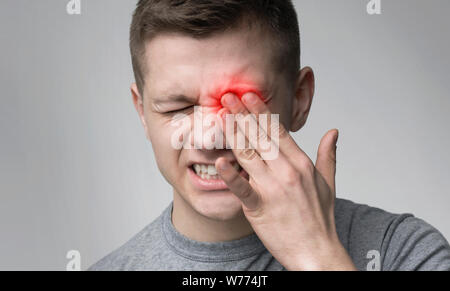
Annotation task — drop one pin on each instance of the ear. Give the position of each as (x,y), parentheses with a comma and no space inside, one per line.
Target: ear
(304,93)
(139,105)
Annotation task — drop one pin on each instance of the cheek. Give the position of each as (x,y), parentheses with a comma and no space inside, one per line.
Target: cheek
(160,131)
(166,155)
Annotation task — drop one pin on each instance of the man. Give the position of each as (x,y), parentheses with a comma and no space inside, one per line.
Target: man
(235,208)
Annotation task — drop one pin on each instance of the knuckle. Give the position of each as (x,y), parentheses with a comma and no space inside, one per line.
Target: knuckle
(278,128)
(255,214)
(292,178)
(283,133)
(234,177)
(306,165)
(247,154)
(246,193)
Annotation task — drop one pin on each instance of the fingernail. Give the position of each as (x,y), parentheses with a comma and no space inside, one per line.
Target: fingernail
(250,98)
(229,99)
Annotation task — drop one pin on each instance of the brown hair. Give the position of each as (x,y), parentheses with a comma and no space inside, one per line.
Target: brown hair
(203,18)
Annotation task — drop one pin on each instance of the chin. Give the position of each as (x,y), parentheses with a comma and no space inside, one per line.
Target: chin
(218,206)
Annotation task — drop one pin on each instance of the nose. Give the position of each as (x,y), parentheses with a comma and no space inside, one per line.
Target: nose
(205,132)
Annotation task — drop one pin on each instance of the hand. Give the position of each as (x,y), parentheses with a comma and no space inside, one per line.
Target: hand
(289,201)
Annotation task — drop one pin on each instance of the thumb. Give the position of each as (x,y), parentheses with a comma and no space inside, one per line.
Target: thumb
(326,158)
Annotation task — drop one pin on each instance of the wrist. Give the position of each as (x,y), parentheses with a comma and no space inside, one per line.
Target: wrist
(333,258)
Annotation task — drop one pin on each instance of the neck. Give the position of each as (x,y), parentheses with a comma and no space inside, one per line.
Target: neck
(195,226)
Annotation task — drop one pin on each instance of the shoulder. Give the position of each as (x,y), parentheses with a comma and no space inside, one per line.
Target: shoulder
(142,246)
(415,245)
(353,219)
(403,241)
(352,215)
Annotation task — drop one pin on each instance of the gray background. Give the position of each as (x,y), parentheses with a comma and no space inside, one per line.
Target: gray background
(77,173)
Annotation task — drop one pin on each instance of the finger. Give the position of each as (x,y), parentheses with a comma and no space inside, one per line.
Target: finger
(237,184)
(254,133)
(254,104)
(326,158)
(248,158)
(246,122)
(274,130)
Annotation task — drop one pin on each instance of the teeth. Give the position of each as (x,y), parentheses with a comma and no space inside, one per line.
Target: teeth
(209,172)
(197,168)
(212,170)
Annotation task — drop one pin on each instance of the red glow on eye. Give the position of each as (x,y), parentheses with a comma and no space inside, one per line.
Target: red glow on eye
(238,88)
(241,92)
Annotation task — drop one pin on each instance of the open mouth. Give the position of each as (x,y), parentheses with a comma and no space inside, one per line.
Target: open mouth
(204,177)
(209,172)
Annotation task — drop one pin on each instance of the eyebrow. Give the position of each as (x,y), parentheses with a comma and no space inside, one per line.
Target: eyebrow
(174,98)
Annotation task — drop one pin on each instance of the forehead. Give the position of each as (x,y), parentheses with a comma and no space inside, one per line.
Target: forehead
(180,64)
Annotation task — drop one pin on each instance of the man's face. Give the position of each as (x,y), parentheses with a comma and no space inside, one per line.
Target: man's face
(184,72)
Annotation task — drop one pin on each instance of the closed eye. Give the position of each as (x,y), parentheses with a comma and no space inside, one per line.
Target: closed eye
(185,110)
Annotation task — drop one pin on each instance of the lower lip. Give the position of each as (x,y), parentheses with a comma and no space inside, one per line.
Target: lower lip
(209,185)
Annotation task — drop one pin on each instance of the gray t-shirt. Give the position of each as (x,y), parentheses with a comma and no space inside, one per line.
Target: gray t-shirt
(374,239)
